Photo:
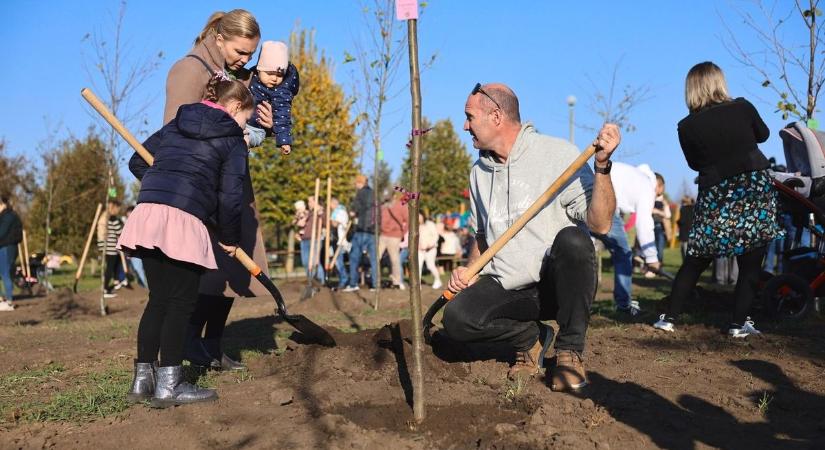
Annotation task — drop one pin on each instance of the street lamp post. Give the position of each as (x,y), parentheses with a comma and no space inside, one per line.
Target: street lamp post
(571,102)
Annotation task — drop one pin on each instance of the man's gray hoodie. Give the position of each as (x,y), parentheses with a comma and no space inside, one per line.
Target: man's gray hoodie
(501,192)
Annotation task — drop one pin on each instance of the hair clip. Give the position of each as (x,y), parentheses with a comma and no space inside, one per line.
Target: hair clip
(221,75)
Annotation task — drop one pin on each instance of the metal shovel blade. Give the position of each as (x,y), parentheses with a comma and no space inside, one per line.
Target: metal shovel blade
(427,322)
(308,328)
(312,330)
(311,288)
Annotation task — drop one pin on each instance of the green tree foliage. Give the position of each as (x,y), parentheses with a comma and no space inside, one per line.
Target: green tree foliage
(445,168)
(16,179)
(77,168)
(323,136)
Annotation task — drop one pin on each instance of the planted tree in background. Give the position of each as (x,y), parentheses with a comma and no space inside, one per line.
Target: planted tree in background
(616,104)
(378,55)
(117,84)
(787,62)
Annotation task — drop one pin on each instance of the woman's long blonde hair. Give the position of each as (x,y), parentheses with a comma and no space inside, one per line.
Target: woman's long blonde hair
(232,24)
(705,85)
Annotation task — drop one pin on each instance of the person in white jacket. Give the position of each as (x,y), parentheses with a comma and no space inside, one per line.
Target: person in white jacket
(427,248)
(635,189)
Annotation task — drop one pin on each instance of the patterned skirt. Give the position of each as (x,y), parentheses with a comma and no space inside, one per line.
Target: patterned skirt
(735,216)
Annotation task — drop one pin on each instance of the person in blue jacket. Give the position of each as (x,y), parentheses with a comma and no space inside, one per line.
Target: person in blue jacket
(275,81)
(200,163)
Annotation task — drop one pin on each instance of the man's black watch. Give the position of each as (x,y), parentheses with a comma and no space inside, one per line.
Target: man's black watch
(603,170)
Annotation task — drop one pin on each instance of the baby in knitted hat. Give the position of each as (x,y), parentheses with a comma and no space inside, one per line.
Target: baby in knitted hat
(274,80)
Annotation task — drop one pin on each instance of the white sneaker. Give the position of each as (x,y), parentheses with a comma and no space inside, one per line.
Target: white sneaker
(633,309)
(437,285)
(6,306)
(118,285)
(402,287)
(744,331)
(663,324)
(351,289)
(109,295)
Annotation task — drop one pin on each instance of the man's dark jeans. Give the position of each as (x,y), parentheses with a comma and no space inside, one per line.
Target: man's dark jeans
(486,312)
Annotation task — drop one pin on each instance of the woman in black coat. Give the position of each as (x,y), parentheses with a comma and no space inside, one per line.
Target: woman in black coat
(736,209)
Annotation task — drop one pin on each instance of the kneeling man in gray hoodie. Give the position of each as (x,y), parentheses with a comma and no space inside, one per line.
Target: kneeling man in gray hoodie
(548,270)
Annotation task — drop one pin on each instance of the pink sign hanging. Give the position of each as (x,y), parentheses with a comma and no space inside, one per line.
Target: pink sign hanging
(406,9)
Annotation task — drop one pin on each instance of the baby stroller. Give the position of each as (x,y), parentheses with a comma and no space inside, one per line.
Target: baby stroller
(37,284)
(791,294)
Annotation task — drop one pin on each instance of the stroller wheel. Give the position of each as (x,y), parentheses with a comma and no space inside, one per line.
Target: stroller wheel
(788,296)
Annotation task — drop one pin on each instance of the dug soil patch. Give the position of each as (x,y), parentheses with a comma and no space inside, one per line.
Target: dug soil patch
(648,389)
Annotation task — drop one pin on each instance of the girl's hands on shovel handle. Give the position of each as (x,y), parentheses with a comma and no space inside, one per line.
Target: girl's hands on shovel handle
(229,249)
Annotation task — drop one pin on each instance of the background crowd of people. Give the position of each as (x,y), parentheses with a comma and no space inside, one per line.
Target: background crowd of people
(444,239)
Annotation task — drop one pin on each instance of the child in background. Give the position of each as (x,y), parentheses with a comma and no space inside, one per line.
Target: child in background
(198,173)
(299,220)
(109,228)
(661,219)
(427,248)
(274,80)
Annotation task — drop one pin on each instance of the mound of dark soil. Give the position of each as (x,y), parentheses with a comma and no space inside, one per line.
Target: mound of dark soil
(65,304)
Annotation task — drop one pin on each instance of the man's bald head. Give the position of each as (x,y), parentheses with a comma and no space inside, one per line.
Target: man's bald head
(504,96)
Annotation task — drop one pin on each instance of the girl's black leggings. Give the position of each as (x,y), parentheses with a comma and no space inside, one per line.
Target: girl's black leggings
(173,292)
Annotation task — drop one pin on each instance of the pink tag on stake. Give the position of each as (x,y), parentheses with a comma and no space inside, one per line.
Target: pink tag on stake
(406,9)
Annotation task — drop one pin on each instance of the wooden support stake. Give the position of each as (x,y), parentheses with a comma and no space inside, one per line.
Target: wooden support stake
(22,259)
(86,247)
(326,218)
(415,277)
(312,259)
(26,267)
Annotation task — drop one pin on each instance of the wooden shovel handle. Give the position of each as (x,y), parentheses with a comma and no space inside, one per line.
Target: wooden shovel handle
(88,242)
(247,262)
(475,267)
(101,108)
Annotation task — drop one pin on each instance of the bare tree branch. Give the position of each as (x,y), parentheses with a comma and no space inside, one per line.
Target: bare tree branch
(781,63)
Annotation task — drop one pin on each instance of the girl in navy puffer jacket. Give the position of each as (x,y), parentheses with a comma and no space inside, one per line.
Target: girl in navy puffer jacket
(197,177)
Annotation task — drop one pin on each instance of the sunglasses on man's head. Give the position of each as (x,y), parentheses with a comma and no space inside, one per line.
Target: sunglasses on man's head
(478,89)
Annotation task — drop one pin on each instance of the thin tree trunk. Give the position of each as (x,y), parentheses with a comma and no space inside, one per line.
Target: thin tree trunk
(415,277)
(326,229)
(376,209)
(811,64)
(104,247)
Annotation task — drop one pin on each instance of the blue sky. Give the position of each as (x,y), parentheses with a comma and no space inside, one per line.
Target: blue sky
(544,50)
